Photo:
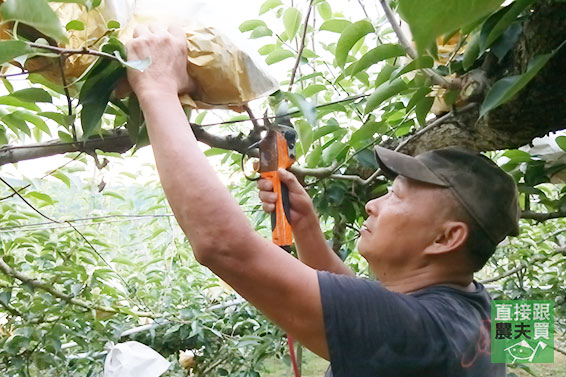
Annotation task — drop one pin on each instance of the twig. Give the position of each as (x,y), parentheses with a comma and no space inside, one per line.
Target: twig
(436,78)
(301,48)
(38,284)
(68,95)
(84,51)
(504,275)
(253,119)
(541,217)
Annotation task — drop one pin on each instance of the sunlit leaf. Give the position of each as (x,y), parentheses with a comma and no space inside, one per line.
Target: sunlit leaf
(348,39)
(375,55)
(35,13)
(336,25)
(33,95)
(384,92)
(9,50)
(292,21)
(250,25)
(278,55)
(429,19)
(268,5)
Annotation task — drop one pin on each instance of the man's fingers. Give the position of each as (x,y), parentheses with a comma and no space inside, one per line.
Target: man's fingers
(268,207)
(177,31)
(265,185)
(289,179)
(268,196)
(157,29)
(140,30)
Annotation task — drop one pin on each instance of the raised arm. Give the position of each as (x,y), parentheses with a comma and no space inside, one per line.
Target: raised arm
(282,287)
(309,239)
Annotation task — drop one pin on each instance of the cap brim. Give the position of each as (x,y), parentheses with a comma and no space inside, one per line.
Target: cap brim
(394,163)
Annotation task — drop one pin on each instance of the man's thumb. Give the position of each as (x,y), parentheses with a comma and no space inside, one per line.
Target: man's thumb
(288,178)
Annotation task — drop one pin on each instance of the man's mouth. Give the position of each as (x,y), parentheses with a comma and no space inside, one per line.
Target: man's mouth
(364,227)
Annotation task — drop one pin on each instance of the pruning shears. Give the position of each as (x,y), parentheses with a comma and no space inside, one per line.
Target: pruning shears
(277,150)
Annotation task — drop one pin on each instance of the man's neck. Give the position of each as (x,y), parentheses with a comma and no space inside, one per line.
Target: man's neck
(411,281)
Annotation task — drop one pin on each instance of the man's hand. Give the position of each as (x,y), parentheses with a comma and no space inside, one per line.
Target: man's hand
(311,244)
(167,50)
(302,208)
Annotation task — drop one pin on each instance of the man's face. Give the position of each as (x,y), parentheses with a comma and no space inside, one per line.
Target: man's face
(401,224)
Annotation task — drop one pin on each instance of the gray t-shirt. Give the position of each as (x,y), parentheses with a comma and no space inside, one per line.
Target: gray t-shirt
(434,332)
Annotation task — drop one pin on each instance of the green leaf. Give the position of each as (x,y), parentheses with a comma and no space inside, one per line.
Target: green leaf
(33,95)
(62,177)
(261,31)
(9,100)
(33,119)
(348,39)
(95,93)
(428,19)
(268,5)
(292,21)
(422,108)
(472,51)
(250,25)
(16,124)
(384,92)
(324,10)
(307,109)
(335,25)
(304,131)
(507,41)
(507,19)
(375,55)
(35,13)
(278,55)
(5,296)
(561,141)
(384,75)
(267,49)
(313,89)
(331,153)
(9,50)
(113,24)
(8,85)
(505,89)
(517,156)
(41,196)
(417,97)
(75,25)
(366,131)
(419,63)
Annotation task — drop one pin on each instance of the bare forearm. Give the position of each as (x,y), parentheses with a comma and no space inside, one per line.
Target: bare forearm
(202,205)
(313,249)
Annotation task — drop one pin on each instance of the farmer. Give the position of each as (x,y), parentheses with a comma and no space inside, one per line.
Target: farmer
(441,221)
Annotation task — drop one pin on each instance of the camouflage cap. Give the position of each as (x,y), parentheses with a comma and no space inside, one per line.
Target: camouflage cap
(486,192)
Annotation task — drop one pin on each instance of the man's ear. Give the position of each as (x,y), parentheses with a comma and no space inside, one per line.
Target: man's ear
(451,236)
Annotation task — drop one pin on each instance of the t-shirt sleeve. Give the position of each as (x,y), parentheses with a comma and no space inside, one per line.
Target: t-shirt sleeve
(369,328)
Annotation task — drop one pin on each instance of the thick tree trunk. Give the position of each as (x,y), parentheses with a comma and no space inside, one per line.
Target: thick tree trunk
(538,109)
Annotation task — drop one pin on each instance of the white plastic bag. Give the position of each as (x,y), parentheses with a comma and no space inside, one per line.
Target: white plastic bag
(133,359)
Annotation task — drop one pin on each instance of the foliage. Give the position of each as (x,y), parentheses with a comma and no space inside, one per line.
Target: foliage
(350,85)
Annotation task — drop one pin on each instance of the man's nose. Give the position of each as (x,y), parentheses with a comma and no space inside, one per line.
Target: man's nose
(371,207)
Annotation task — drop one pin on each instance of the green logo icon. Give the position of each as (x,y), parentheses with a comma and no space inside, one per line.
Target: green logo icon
(522,331)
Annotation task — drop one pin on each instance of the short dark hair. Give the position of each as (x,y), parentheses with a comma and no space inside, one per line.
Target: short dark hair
(478,246)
